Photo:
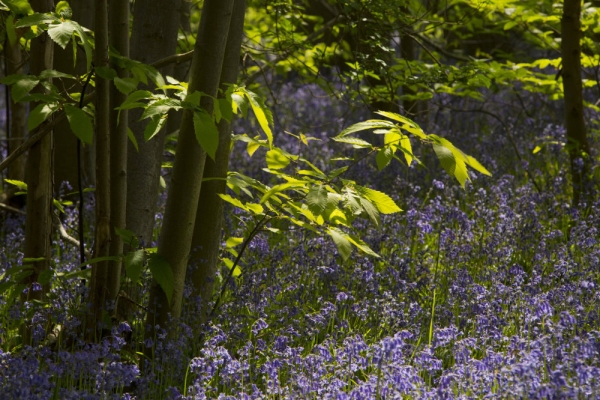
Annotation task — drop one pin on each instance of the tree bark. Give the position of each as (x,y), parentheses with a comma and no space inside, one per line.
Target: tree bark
(154,36)
(578,145)
(119,39)
(65,143)
(38,223)
(209,216)
(184,189)
(100,291)
(18,113)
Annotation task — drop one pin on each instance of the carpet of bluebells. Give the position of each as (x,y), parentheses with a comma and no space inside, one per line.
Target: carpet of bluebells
(486,292)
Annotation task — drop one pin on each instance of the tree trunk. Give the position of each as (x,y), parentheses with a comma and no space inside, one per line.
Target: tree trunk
(65,143)
(38,224)
(154,36)
(578,145)
(119,39)
(184,189)
(18,113)
(209,216)
(100,291)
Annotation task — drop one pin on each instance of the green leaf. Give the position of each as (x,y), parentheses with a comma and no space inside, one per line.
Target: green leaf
(106,73)
(206,132)
(317,199)
(281,187)
(78,274)
(131,137)
(80,123)
(154,126)
(342,243)
(383,157)
(10,30)
(21,185)
(262,114)
(22,86)
(362,246)
(238,102)
(128,237)
(62,32)
(36,19)
(384,203)
(134,264)
(160,107)
(371,211)
(126,85)
(86,45)
(276,159)
(232,201)
(234,241)
(226,111)
(229,264)
(39,114)
(370,124)
(45,276)
(356,142)
(162,273)
(473,163)
(50,73)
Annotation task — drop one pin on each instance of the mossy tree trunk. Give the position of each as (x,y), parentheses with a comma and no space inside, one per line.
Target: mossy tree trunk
(184,189)
(100,290)
(119,40)
(577,142)
(38,224)
(209,216)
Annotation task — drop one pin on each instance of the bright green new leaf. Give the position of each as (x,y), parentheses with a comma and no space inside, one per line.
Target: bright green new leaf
(284,186)
(36,19)
(384,203)
(356,142)
(262,114)
(235,202)
(80,123)
(134,264)
(20,184)
(234,241)
(22,86)
(51,73)
(160,107)
(276,159)
(362,246)
(473,163)
(62,32)
(370,124)
(162,273)
(316,199)
(39,114)
(229,264)
(207,133)
(341,242)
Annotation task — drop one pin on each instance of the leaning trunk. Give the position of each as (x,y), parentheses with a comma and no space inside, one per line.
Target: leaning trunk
(184,188)
(38,225)
(578,145)
(209,215)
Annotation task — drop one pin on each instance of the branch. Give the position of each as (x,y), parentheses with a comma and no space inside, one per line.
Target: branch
(65,236)
(39,133)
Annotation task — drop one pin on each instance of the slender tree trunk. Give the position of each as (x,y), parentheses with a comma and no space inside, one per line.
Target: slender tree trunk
(579,148)
(18,113)
(100,288)
(38,225)
(65,143)
(209,216)
(119,39)
(184,189)
(154,36)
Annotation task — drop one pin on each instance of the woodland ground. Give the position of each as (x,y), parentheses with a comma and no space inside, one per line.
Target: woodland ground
(486,292)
